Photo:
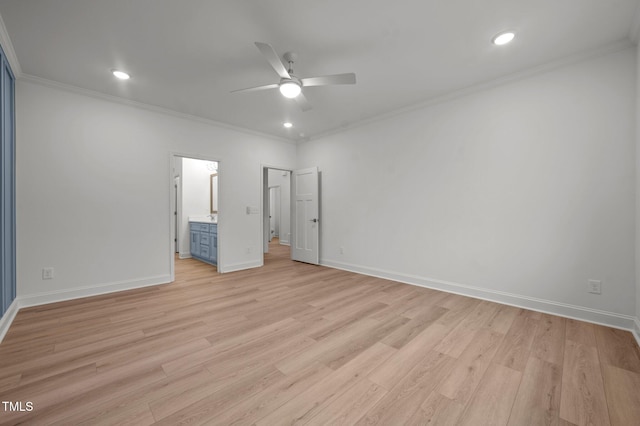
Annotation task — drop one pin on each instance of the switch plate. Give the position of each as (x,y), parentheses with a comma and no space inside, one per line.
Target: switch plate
(47,273)
(595,287)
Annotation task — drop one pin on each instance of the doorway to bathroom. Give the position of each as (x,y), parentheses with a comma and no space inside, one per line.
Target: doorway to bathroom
(195,210)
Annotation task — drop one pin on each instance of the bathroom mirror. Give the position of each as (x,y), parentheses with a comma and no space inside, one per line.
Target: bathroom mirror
(214,193)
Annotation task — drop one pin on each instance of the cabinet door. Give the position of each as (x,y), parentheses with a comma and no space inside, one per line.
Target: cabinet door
(195,243)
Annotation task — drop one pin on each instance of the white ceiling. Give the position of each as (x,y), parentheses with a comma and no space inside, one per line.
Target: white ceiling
(188,55)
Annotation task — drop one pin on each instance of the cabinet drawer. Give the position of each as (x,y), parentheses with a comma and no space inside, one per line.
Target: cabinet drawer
(214,228)
(202,227)
(205,239)
(204,251)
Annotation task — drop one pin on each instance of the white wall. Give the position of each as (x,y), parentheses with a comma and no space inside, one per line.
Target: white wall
(519,192)
(93,188)
(196,197)
(276,178)
(637,326)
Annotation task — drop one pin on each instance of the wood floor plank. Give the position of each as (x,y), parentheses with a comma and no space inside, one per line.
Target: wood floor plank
(436,410)
(618,348)
(516,346)
(304,406)
(404,399)
(581,332)
(397,366)
(538,397)
(582,399)
(249,410)
(196,408)
(296,343)
(548,343)
(351,406)
(463,334)
(466,373)
(622,388)
(492,401)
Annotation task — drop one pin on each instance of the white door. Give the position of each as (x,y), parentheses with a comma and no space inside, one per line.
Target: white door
(304,214)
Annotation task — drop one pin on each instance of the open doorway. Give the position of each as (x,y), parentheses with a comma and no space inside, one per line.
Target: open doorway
(195,210)
(276,224)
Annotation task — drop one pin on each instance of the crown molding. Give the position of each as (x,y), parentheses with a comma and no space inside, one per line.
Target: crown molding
(28,78)
(485,85)
(7,46)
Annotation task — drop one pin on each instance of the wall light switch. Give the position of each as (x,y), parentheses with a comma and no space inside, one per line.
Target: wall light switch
(595,286)
(47,273)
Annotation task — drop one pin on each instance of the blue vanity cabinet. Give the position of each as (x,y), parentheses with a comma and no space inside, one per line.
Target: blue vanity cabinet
(204,241)
(194,245)
(214,243)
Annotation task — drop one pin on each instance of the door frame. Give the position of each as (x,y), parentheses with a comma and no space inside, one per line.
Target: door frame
(264,193)
(173,156)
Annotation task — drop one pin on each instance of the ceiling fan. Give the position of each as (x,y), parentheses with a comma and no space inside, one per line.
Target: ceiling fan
(290,85)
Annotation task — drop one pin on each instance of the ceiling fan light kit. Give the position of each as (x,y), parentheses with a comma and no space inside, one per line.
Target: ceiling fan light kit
(291,86)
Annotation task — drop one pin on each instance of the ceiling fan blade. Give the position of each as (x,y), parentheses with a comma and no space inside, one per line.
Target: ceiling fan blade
(255,89)
(302,102)
(275,62)
(348,78)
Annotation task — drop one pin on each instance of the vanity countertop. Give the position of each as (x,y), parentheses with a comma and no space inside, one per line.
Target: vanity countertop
(202,219)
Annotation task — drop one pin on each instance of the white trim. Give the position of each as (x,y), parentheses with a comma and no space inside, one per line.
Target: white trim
(141,105)
(596,316)
(8,317)
(88,291)
(481,86)
(75,293)
(7,46)
(636,330)
(241,266)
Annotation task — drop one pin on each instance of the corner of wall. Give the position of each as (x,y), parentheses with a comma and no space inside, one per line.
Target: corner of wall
(635,34)
(634,31)
(8,317)
(77,293)
(7,46)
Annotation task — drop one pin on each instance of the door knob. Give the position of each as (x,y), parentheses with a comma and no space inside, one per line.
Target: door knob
(313,220)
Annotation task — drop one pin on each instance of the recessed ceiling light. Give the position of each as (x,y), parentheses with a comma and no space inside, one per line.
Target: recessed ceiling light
(121,75)
(287,125)
(503,38)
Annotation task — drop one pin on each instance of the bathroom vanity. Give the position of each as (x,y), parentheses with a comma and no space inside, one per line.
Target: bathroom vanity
(204,240)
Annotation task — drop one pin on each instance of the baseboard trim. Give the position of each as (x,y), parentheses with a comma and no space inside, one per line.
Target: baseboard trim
(636,330)
(240,266)
(7,318)
(74,293)
(610,319)
(88,291)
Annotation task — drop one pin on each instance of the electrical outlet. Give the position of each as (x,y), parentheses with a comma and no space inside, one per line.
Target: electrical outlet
(248,250)
(47,273)
(341,250)
(595,286)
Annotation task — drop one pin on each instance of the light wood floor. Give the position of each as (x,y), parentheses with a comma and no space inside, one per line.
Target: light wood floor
(295,343)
